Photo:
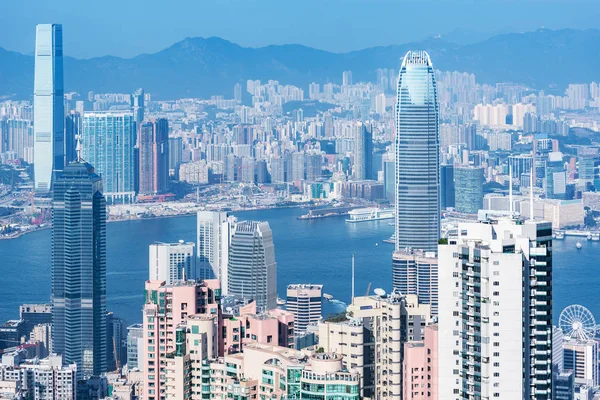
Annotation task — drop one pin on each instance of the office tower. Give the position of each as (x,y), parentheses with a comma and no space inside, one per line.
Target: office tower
(79,269)
(389,177)
(417,155)
(73,127)
(261,172)
(468,189)
(415,272)
(496,303)
(137,105)
(386,321)
(135,346)
(13,333)
(171,262)
(153,146)
(237,93)
(363,151)
(420,367)
(214,230)
(35,314)
(166,308)
(346,78)
(304,301)
(563,386)
(175,154)
(116,342)
(48,107)
(108,144)
(555,182)
(581,357)
(48,379)
(252,270)
(314,161)
(447,198)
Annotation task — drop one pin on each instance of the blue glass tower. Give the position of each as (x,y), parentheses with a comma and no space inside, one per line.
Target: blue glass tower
(108,144)
(79,269)
(417,155)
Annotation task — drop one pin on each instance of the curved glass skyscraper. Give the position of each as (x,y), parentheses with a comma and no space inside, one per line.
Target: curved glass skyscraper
(417,155)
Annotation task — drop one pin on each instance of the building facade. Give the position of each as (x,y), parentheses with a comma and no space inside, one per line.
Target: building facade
(153,147)
(305,302)
(252,269)
(48,107)
(495,340)
(468,189)
(79,269)
(108,141)
(214,230)
(363,151)
(416,273)
(417,155)
(171,262)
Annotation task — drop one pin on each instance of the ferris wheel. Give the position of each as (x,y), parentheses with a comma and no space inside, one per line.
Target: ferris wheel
(577,322)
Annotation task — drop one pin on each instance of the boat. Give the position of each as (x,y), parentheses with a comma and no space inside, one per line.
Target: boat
(595,237)
(589,236)
(376,244)
(559,235)
(578,245)
(327,296)
(280,301)
(370,214)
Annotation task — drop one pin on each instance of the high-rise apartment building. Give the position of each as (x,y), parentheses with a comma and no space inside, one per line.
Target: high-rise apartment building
(363,151)
(416,273)
(108,144)
(214,230)
(237,93)
(417,155)
(175,155)
(420,367)
(305,302)
(171,262)
(48,107)
(18,137)
(137,105)
(135,346)
(252,269)
(468,189)
(166,308)
(153,147)
(79,269)
(372,340)
(346,78)
(495,337)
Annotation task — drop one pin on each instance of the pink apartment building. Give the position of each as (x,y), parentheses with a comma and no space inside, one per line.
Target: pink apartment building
(419,375)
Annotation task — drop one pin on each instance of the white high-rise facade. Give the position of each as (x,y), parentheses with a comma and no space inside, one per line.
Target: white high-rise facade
(305,302)
(214,230)
(170,261)
(48,107)
(495,307)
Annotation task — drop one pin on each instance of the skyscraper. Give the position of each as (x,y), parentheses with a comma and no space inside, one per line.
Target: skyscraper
(496,303)
(252,270)
(415,272)
(363,151)
(108,144)
(79,269)
(48,101)
(304,301)
(153,147)
(73,127)
(214,229)
(169,262)
(137,104)
(468,185)
(417,155)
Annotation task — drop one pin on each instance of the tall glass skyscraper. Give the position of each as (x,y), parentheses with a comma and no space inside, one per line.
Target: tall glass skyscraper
(417,155)
(252,270)
(363,151)
(214,229)
(153,147)
(108,144)
(79,269)
(48,107)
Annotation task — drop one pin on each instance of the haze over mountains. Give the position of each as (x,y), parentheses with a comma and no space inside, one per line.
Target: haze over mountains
(199,67)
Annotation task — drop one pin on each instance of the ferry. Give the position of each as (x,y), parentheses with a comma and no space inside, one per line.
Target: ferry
(327,296)
(559,235)
(595,237)
(370,214)
(281,302)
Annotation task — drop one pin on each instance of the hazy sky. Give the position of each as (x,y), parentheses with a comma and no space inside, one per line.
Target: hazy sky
(130,27)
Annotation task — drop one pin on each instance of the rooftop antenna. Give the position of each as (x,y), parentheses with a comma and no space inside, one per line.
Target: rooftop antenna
(531,195)
(353,278)
(510,191)
(78,148)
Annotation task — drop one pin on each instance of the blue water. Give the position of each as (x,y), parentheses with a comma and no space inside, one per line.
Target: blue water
(316,251)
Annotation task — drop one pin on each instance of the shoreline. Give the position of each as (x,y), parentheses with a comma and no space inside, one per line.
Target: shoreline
(183,214)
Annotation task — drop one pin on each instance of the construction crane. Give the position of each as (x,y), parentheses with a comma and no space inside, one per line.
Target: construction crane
(115,354)
(368,289)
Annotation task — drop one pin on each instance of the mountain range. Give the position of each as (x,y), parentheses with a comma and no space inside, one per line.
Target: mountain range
(201,67)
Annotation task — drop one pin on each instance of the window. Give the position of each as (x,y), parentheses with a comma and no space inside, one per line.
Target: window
(496,283)
(496,354)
